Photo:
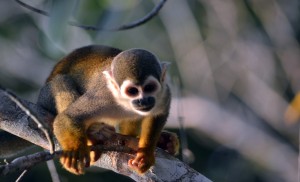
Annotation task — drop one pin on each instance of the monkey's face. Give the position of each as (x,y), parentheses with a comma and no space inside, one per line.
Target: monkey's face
(141,98)
(136,80)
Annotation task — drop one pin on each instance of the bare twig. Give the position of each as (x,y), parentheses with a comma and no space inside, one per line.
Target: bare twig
(130,25)
(26,162)
(187,154)
(40,125)
(21,175)
(31,8)
(53,172)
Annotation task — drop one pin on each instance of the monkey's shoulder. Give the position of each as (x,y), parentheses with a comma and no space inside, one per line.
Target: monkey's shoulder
(85,61)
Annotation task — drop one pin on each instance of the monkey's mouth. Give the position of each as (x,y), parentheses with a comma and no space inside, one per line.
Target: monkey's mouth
(144,108)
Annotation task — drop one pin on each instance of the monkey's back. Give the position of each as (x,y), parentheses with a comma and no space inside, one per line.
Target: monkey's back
(84,62)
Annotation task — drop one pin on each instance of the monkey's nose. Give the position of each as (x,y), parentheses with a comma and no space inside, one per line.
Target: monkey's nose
(145,103)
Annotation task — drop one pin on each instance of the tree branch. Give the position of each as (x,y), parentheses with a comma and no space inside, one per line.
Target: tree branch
(15,121)
(130,25)
(40,125)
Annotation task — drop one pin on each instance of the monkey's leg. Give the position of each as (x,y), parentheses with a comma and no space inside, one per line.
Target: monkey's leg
(131,128)
(150,133)
(72,138)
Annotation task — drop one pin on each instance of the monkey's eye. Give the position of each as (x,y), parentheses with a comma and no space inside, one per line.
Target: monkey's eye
(151,87)
(132,91)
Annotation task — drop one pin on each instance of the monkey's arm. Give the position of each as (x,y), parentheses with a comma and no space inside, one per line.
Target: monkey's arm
(72,138)
(57,96)
(70,129)
(150,133)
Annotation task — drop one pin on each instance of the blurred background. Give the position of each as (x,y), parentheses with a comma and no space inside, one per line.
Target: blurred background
(235,69)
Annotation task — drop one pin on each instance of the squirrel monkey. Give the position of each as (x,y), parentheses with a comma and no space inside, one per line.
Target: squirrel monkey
(99,84)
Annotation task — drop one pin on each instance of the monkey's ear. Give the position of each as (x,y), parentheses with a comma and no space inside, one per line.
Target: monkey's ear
(107,74)
(164,67)
(110,80)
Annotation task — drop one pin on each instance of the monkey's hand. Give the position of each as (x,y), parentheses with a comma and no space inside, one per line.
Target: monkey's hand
(73,140)
(169,142)
(76,160)
(143,161)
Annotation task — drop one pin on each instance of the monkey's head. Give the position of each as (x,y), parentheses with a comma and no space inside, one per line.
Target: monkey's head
(137,80)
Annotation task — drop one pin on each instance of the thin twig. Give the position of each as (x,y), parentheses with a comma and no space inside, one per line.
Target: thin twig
(187,154)
(53,172)
(31,8)
(130,25)
(40,125)
(21,175)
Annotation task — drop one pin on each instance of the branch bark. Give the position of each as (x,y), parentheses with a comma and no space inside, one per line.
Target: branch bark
(15,121)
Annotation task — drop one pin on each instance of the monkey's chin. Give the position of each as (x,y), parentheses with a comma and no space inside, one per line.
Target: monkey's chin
(143,112)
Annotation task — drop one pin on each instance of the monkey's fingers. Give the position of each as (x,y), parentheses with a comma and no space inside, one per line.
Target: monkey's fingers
(79,162)
(142,162)
(140,166)
(78,170)
(63,158)
(75,161)
(66,159)
(133,165)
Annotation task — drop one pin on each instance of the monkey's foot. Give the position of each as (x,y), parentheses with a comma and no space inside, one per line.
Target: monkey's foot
(142,162)
(169,142)
(75,161)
